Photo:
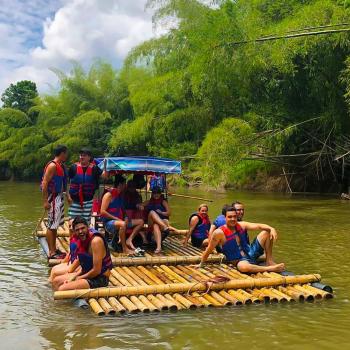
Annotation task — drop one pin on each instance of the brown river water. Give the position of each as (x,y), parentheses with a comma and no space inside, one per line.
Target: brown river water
(313,238)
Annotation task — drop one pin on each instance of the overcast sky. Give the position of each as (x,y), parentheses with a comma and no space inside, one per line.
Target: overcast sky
(39,34)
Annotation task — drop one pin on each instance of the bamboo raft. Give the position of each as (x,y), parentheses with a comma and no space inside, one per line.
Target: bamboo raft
(171,282)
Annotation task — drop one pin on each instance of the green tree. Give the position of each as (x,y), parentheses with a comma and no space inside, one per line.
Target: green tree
(20,95)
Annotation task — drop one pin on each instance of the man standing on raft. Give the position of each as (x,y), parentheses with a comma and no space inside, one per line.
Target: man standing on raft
(92,255)
(233,239)
(84,179)
(53,184)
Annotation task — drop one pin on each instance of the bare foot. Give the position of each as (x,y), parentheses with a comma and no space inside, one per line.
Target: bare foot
(270,263)
(128,251)
(129,244)
(277,267)
(158,251)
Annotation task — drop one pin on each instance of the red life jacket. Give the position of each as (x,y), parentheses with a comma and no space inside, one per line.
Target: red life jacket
(202,228)
(58,182)
(83,184)
(116,206)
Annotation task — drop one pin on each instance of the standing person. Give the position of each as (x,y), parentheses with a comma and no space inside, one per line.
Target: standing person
(84,180)
(113,213)
(199,227)
(53,184)
(93,257)
(233,239)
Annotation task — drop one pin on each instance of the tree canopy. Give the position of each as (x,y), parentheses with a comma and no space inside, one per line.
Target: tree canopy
(236,109)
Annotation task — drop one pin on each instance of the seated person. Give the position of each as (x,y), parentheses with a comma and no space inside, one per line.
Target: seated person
(219,221)
(66,265)
(199,228)
(158,212)
(132,205)
(113,213)
(233,239)
(93,258)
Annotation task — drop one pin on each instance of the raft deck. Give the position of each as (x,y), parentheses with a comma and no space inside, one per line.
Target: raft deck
(171,282)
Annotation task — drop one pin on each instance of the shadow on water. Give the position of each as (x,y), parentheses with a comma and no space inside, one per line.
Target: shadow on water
(313,239)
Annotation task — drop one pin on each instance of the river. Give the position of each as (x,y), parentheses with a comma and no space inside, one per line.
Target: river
(313,238)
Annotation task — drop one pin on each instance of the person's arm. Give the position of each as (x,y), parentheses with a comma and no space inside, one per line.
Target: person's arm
(216,239)
(211,230)
(73,266)
(193,223)
(167,209)
(98,253)
(257,226)
(104,206)
(49,173)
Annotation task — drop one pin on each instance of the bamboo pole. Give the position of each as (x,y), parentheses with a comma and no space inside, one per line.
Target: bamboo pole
(157,302)
(314,294)
(185,302)
(128,305)
(139,304)
(212,300)
(324,294)
(96,308)
(117,305)
(179,306)
(221,299)
(230,297)
(242,298)
(107,308)
(184,287)
(172,306)
(149,304)
(162,260)
(201,299)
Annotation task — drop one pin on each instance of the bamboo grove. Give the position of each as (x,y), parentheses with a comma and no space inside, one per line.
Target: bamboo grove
(237,109)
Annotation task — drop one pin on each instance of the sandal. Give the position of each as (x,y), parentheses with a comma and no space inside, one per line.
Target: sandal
(58,255)
(139,253)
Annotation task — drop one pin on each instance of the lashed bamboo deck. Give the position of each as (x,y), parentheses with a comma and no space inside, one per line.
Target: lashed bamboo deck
(170,282)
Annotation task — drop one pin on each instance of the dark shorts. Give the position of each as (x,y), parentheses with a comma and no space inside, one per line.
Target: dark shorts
(197,242)
(255,250)
(97,282)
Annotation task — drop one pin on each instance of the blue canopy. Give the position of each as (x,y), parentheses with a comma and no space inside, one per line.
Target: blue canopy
(146,165)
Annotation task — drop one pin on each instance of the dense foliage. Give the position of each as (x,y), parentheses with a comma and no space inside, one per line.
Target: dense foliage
(195,92)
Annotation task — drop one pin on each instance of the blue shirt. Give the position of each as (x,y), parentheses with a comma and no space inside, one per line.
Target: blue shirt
(219,221)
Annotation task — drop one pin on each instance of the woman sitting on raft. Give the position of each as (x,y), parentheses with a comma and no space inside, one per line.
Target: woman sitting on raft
(66,265)
(113,213)
(158,212)
(199,228)
(133,205)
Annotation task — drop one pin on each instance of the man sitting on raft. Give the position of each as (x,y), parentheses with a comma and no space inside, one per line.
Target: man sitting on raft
(93,257)
(113,213)
(233,239)
(199,228)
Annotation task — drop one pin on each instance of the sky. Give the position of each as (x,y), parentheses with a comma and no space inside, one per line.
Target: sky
(37,35)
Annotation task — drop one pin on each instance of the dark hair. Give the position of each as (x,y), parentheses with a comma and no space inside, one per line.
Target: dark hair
(229,208)
(224,208)
(119,179)
(59,149)
(79,220)
(86,151)
(156,190)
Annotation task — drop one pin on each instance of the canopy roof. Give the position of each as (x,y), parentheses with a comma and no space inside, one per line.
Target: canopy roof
(145,165)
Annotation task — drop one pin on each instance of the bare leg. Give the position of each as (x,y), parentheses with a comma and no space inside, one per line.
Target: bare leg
(80,284)
(58,270)
(155,219)
(137,225)
(158,238)
(144,237)
(59,280)
(121,225)
(51,240)
(246,267)
(265,241)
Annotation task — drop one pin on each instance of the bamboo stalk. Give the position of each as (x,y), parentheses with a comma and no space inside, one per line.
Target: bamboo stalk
(139,304)
(314,294)
(204,301)
(257,293)
(292,293)
(172,306)
(129,305)
(179,306)
(96,308)
(221,299)
(117,305)
(248,295)
(324,295)
(195,300)
(148,303)
(230,297)
(212,300)
(184,287)
(157,302)
(185,302)
(144,277)
(107,308)
(242,298)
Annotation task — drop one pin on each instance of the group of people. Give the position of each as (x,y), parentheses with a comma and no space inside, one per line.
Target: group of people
(124,215)
(228,234)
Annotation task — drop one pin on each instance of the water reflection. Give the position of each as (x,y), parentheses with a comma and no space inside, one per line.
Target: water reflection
(313,239)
